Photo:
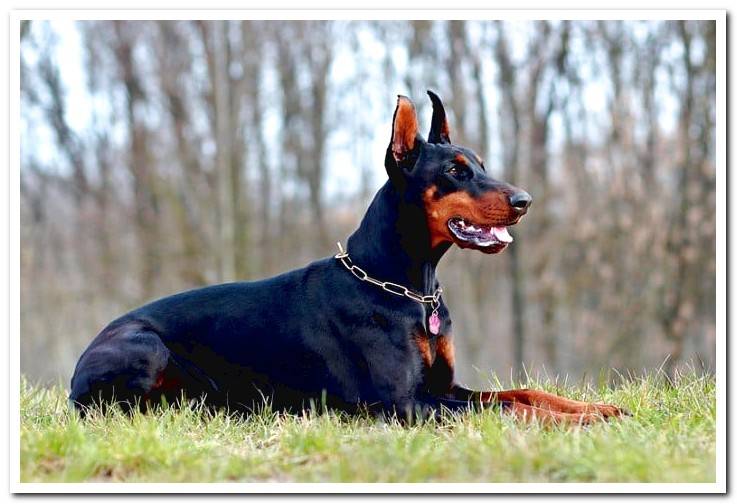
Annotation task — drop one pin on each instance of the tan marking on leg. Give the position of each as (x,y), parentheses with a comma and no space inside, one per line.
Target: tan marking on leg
(550,418)
(551,402)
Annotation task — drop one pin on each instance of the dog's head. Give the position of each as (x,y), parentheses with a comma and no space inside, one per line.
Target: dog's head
(462,203)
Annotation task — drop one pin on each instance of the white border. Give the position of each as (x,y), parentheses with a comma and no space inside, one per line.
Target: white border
(13,274)
(355,488)
(350,14)
(721,249)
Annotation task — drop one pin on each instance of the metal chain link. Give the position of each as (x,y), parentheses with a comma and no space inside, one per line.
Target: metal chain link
(391,287)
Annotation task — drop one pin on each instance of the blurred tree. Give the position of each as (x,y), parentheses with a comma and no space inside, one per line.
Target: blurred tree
(174,71)
(511,132)
(142,170)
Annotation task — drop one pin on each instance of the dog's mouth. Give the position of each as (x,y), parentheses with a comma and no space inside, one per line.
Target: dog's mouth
(489,239)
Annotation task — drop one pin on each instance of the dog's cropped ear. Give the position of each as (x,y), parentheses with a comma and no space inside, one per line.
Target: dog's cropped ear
(439,130)
(404,131)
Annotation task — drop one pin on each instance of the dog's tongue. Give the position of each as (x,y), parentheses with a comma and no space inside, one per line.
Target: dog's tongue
(501,234)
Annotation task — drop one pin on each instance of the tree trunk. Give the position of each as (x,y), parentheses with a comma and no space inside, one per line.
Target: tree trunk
(173,71)
(144,180)
(511,139)
(224,156)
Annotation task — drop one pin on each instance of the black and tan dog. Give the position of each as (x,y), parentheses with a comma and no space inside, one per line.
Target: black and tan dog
(366,328)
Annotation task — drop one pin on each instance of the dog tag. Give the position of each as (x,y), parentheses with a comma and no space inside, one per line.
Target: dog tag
(434,323)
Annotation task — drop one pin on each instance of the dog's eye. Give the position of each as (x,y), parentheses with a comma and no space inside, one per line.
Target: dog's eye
(458,171)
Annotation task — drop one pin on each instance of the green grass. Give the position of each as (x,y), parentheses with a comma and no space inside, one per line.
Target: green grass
(670,438)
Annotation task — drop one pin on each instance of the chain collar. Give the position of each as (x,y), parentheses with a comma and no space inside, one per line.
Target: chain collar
(391,287)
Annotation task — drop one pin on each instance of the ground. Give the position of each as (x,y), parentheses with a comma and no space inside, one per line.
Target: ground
(671,437)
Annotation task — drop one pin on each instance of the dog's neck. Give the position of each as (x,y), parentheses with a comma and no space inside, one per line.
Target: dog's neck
(392,243)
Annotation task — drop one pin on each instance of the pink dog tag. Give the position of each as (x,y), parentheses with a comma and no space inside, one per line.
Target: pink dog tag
(434,323)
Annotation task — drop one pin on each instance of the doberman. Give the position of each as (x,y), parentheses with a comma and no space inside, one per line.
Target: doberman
(367,328)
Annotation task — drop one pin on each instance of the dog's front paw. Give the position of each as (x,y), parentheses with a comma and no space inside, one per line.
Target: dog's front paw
(610,411)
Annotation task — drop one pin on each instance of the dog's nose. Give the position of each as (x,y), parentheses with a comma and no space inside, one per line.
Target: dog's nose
(520,201)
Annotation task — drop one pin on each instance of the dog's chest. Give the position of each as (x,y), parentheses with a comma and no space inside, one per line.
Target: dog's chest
(432,348)
(431,338)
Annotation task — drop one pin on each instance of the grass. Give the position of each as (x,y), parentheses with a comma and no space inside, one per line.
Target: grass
(670,438)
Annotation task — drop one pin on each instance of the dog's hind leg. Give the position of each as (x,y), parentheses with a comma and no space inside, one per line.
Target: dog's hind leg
(124,365)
